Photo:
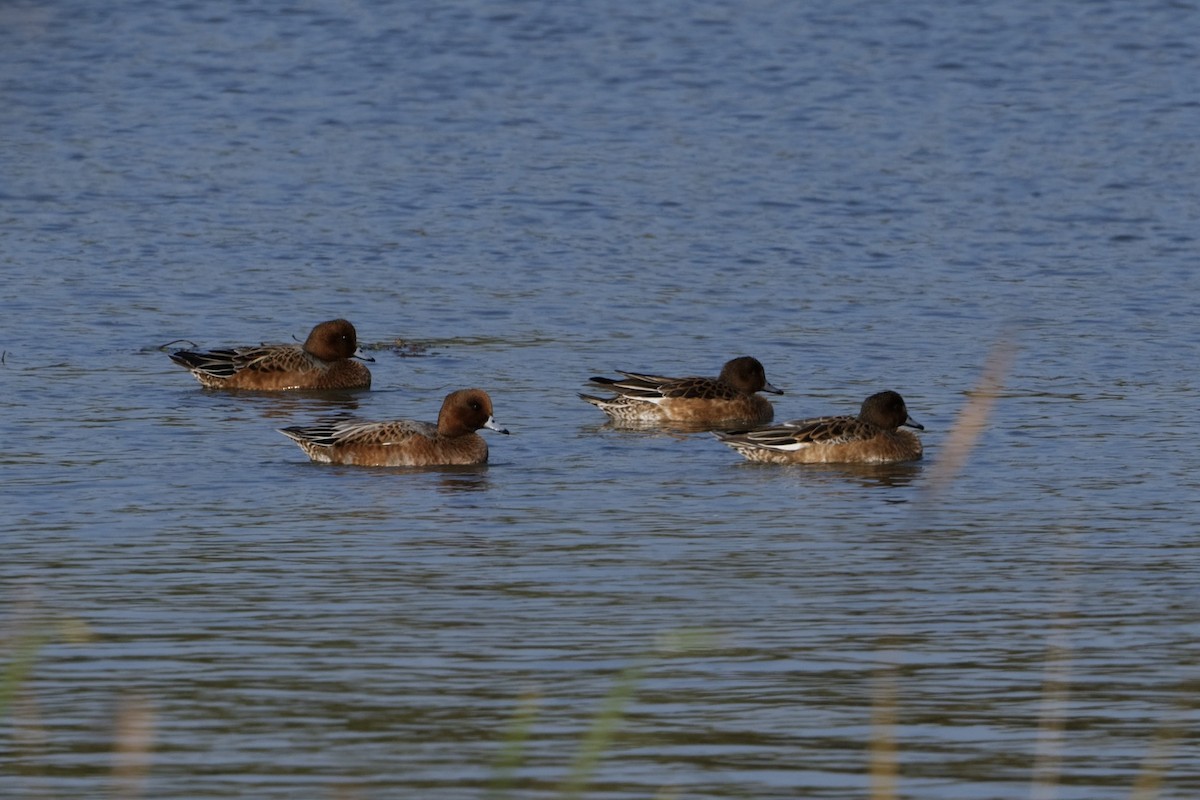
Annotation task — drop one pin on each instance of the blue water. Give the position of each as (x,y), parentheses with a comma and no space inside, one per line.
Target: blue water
(519,196)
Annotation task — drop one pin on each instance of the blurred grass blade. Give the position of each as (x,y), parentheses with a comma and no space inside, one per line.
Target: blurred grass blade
(1047,762)
(883,736)
(19,666)
(512,748)
(39,631)
(131,757)
(1154,766)
(601,733)
(973,418)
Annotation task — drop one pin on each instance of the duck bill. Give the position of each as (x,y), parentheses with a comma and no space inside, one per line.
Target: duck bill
(492,425)
(909,422)
(361,356)
(772,389)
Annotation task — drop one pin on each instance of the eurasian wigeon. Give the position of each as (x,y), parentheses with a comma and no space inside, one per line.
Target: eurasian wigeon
(730,398)
(405,442)
(873,437)
(322,362)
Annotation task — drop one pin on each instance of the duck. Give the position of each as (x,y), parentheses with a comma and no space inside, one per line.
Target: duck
(324,362)
(874,436)
(730,398)
(452,440)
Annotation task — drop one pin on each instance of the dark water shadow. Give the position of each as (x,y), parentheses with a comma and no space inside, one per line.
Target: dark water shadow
(866,475)
(452,478)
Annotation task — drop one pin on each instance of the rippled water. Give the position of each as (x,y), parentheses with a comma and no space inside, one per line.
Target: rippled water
(519,196)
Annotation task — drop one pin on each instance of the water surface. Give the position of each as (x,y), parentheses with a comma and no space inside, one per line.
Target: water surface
(862,196)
